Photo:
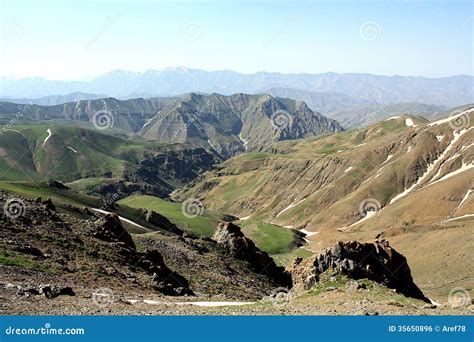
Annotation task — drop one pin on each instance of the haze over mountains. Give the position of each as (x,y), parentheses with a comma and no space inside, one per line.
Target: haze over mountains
(447,91)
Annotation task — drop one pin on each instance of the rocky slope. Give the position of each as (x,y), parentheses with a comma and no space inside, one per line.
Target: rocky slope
(234,124)
(42,245)
(376,261)
(53,263)
(402,178)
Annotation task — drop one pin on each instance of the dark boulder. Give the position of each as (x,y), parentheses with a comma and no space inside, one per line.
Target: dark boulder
(159,220)
(376,261)
(164,280)
(51,291)
(49,204)
(55,184)
(110,229)
(230,237)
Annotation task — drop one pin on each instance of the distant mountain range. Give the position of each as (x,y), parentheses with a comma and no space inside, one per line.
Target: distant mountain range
(226,125)
(53,100)
(447,91)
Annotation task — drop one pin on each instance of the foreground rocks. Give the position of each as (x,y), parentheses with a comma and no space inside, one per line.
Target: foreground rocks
(110,229)
(376,261)
(164,280)
(230,237)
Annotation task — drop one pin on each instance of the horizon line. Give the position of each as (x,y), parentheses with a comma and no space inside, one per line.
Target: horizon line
(93,78)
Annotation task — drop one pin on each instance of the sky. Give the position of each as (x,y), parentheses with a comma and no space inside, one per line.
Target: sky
(79,40)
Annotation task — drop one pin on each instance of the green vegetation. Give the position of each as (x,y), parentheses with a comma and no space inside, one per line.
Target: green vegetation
(10,258)
(269,237)
(203,225)
(72,152)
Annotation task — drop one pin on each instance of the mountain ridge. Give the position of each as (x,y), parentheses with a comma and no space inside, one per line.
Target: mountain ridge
(448,91)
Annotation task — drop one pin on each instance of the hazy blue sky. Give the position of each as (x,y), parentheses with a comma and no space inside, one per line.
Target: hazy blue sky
(80,39)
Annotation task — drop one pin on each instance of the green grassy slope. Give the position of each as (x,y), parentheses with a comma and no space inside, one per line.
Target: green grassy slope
(202,225)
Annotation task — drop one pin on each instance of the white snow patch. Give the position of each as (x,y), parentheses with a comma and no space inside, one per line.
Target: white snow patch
(214,304)
(409,122)
(202,303)
(209,142)
(147,123)
(458,218)
(466,147)
(244,218)
(440,137)
(244,141)
(348,169)
(457,136)
(120,217)
(449,118)
(308,233)
(392,118)
(368,215)
(465,198)
(409,148)
(388,158)
(463,168)
(288,208)
(49,136)
(289,227)
(73,150)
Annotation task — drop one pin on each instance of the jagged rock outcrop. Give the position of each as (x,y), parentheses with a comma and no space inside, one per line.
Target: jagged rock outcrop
(55,184)
(230,237)
(159,220)
(110,229)
(164,280)
(376,261)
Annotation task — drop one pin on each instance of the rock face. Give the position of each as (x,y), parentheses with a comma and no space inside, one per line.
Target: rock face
(110,229)
(164,280)
(230,237)
(159,220)
(55,184)
(376,261)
